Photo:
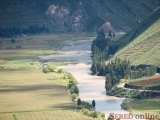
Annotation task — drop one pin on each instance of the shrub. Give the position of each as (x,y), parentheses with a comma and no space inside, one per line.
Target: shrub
(73,96)
(94,114)
(74,89)
(102,115)
(47,69)
(60,70)
(85,111)
(86,105)
(124,105)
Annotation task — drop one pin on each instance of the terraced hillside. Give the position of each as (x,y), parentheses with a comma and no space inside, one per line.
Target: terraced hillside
(145,42)
(151,83)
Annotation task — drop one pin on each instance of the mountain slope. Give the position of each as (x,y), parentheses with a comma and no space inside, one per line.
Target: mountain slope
(74,15)
(145,42)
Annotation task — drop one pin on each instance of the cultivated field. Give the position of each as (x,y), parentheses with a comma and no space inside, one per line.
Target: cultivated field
(26,93)
(144,49)
(145,105)
(150,83)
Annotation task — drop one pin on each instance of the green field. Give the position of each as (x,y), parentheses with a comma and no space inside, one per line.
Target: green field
(26,92)
(145,105)
(145,42)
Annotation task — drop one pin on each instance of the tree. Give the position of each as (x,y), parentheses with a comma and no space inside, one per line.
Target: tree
(79,102)
(13,40)
(99,50)
(114,34)
(93,103)
(109,33)
(101,42)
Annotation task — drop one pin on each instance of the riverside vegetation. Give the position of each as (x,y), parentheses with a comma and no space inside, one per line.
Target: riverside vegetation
(71,84)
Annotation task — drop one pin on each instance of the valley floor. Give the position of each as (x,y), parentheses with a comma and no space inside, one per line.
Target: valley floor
(26,93)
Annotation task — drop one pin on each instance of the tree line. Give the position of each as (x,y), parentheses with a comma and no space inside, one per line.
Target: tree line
(100,53)
(32,29)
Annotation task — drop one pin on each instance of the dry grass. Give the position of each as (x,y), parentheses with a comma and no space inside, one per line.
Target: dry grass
(30,90)
(8,116)
(52,115)
(45,115)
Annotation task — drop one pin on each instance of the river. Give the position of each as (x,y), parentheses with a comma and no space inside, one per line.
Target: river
(90,86)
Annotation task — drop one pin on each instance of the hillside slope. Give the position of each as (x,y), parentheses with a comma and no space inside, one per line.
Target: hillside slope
(74,16)
(144,47)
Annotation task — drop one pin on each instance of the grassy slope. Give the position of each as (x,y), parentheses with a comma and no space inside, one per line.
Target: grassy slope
(122,14)
(145,105)
(24,87)
(145,42)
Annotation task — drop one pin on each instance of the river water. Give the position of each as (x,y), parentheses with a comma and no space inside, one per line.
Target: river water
(90,87)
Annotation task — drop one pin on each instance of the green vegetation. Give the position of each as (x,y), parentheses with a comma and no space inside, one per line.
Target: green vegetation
(144,46)
(142,105)
(131,93)
(99,50)
(89,109)
(115,71)
(94,114)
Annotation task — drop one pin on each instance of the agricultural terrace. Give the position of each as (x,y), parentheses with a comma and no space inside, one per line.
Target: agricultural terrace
(151,83)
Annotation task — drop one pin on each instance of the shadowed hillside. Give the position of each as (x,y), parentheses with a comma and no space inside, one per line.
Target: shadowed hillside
(35,16)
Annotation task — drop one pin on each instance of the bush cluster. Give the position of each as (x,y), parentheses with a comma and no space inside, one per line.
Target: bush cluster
(93,114)
(89,109)
(48,69)
(120,92)
(72,86)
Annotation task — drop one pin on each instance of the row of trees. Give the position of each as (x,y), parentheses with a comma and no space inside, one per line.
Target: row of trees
(115,71)
(80,104)
(33,29)
(99,50)
(141,71)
